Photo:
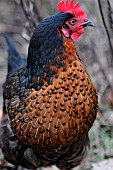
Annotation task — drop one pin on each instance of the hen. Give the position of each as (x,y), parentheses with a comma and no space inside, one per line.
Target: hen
(51,103)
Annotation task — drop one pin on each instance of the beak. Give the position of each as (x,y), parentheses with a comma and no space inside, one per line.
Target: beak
(88,23)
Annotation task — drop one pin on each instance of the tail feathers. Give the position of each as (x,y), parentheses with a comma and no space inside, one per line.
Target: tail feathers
(15,60)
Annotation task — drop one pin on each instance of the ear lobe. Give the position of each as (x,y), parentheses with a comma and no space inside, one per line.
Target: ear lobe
(65,32)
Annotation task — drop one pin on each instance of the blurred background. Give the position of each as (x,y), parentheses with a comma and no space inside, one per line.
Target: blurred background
(18,19)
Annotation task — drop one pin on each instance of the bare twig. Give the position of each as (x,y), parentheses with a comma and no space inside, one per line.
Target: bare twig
(104,22)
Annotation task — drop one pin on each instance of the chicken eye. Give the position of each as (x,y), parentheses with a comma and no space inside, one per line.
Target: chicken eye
(72,22)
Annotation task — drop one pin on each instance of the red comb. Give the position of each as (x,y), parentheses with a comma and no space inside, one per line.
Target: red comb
(71,8)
